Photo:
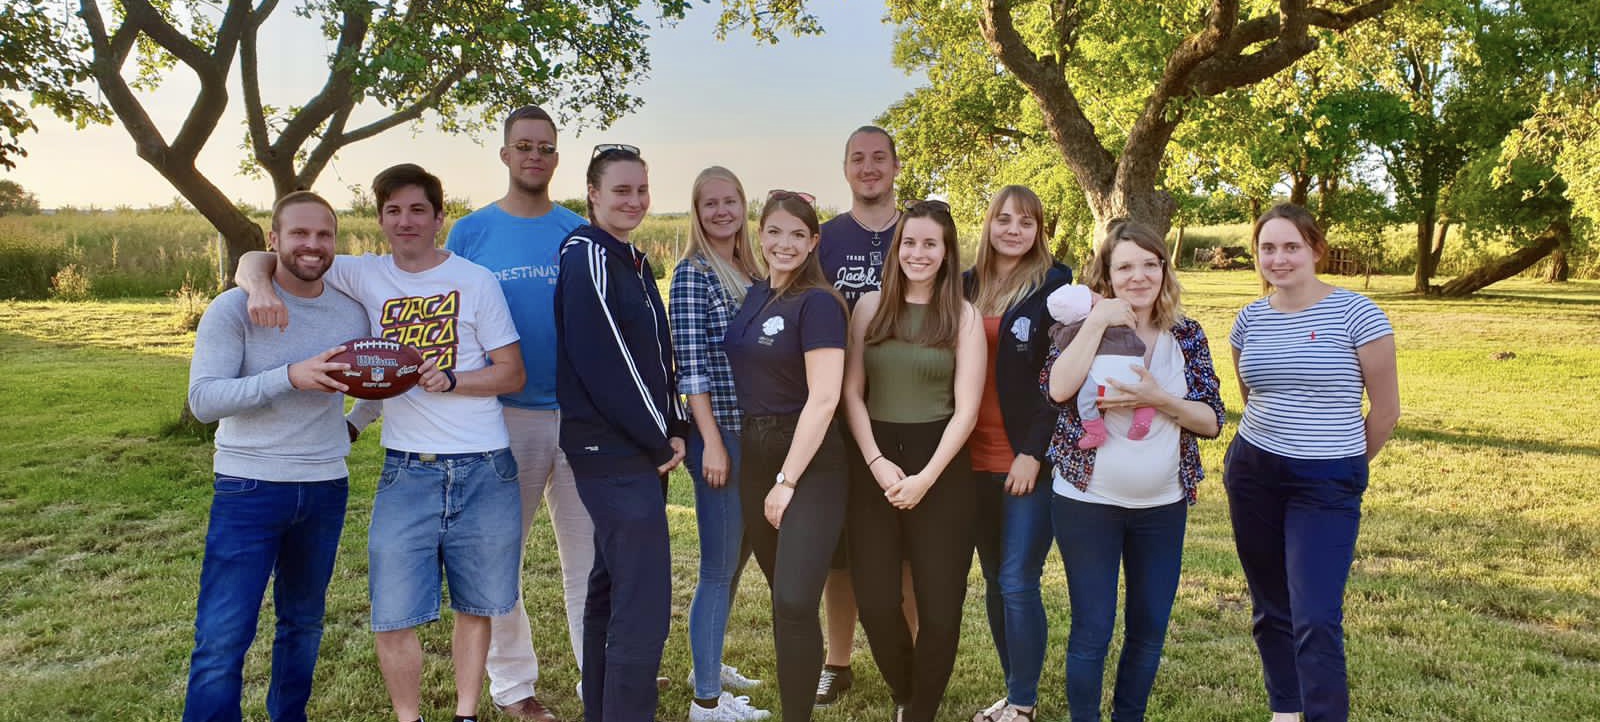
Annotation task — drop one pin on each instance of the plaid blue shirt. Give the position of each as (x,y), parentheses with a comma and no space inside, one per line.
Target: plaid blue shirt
(699,309)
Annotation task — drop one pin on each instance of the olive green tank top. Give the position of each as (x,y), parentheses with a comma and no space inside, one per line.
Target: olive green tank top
(907,383)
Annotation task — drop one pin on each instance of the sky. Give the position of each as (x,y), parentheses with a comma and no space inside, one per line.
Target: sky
(777,115)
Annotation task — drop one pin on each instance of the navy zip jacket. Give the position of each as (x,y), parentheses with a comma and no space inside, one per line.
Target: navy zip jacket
(1024,341)
(614,375)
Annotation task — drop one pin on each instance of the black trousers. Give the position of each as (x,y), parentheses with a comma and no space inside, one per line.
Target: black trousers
(795,557)
(937,538)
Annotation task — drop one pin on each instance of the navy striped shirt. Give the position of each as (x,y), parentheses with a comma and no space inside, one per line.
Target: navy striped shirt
(1303,374)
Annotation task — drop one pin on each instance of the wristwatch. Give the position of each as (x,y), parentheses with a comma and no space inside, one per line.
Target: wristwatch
(783,481)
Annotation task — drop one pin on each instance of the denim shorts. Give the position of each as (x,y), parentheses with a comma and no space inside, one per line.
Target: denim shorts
(461,511)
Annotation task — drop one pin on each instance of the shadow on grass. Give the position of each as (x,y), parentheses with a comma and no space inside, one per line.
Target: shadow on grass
(1456,438)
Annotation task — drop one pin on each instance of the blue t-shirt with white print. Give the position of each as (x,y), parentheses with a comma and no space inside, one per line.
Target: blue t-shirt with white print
(524,254)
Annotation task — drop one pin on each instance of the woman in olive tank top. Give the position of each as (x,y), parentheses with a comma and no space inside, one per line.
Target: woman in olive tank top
(914,377)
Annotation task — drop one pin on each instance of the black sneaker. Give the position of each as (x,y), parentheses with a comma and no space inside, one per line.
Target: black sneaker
(833,683)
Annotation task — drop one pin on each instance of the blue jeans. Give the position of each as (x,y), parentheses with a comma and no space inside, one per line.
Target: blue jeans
(462,511)
(629,606)
(1095,539)
(1295,523)
(261,529)
(1013,539)
(720,521)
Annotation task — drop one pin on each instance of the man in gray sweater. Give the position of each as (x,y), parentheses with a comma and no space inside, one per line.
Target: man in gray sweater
(281,481)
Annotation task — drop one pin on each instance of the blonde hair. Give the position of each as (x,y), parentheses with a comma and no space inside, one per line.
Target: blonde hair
(943,321)
(996,294)
(699,246)
(1168,307)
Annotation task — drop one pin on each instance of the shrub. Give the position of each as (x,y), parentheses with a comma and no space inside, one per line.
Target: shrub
(27,266)
(71,283)
(188,305)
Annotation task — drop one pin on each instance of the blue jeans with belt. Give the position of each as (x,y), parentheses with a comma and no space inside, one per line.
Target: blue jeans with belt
(286,531)
(1295,523)
(1148,543)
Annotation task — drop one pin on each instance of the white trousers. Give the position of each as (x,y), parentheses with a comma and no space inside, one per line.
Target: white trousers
(544,477)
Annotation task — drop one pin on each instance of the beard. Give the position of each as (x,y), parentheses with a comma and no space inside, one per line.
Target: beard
(287,261)
(532,189)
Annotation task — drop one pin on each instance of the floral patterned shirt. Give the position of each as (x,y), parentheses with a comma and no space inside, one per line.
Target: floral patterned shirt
(1077,465)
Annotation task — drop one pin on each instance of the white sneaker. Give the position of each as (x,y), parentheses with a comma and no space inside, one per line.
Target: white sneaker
(729,709)
(742,709)
(731,679)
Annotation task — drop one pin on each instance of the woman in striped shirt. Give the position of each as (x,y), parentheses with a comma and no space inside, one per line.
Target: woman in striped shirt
(1296,470)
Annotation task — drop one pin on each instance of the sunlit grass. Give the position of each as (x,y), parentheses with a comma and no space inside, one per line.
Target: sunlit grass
(1476,593)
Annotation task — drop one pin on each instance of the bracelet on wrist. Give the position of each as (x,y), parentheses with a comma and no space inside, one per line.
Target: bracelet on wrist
(452,376)
(875,460)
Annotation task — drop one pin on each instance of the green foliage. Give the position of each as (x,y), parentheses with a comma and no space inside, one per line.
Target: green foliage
(579,206)
(16,200)
(41,57)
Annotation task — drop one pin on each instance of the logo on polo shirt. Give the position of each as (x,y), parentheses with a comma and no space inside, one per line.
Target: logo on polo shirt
(772,326)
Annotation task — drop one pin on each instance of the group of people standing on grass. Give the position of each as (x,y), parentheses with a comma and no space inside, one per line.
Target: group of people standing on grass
(857,411)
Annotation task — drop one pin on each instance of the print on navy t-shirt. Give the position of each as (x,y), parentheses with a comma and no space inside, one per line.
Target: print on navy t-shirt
(766,344)
(851,259)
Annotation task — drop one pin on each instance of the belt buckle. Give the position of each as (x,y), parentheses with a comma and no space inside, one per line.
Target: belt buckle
(427,457)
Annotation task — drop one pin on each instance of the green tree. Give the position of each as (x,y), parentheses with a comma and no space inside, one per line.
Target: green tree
(461,63)
(39,58)
(1114,81)
(16,200)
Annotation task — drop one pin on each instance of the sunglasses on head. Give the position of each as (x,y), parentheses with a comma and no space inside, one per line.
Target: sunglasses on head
(931,204)
(604,148)
(780,195)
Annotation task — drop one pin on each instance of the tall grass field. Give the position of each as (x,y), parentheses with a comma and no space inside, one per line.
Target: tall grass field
(1475,595)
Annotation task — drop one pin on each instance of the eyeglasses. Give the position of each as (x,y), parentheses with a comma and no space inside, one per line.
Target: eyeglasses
(604,148)
(524,147)
(781,195)
(931,204)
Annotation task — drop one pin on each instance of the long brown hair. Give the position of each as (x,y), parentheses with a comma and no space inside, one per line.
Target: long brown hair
(810,273)
(996,294)
(943,320)
(743,262)
(1168,307)
(1303,222)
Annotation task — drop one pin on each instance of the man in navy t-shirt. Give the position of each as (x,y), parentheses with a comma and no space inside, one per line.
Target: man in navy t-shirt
(853,249)
(519,238)
(854,244)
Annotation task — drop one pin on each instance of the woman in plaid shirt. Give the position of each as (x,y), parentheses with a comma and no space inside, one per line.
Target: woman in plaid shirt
(708,286)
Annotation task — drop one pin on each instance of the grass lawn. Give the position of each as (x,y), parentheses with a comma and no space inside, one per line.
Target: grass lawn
(1476,592)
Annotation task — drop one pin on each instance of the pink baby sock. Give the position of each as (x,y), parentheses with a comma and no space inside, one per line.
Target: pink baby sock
(1094,433)
(1142,416)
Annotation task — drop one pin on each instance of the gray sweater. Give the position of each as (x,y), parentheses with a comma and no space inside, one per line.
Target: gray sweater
(240,376)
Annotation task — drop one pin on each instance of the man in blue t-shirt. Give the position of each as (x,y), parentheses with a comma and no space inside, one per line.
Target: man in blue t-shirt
(519,238)
(854,247)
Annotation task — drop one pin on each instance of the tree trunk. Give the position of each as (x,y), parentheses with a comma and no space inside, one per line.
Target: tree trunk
(1153,208)
(238,230)
(1425,266)
(1558,266)
(1438,246)
(1255,209)
(1557,234)
(1177,247)
(1300,189)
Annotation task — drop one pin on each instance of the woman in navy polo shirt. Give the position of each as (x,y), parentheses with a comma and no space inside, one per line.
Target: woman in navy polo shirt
(786,347)
(1297,469)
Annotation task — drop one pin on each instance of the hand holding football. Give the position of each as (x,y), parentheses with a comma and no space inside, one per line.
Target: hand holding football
(379,368)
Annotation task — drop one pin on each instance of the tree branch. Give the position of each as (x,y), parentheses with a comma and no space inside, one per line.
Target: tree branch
(331,142)
(1046,80)
(336,93)
(110,53)
(249,77)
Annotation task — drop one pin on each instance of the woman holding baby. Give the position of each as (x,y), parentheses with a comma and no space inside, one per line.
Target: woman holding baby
(1122,490)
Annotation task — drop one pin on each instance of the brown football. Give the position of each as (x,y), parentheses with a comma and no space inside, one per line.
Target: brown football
(379,368)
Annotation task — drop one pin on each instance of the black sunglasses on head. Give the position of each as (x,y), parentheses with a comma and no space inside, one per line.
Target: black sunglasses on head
(604,148)
(781,195)
(931,204)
